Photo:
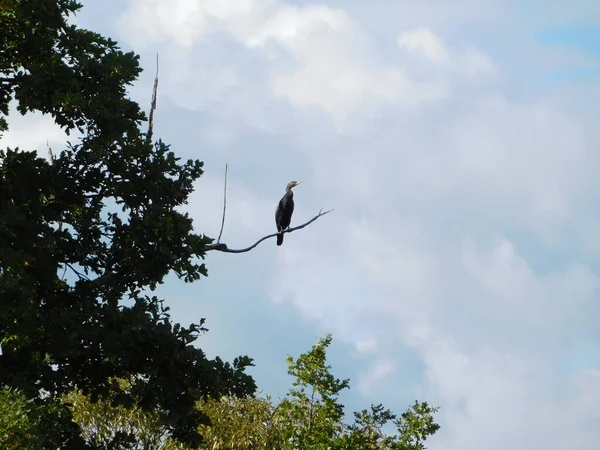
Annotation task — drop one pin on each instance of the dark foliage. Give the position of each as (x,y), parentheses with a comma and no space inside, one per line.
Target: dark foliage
(84,238)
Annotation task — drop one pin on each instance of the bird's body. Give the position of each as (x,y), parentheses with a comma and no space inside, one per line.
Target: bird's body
(284,211)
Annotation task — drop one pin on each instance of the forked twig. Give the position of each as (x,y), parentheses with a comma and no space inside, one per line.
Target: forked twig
(223,247)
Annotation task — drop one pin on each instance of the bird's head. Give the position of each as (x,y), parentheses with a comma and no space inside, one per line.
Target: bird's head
(292,184)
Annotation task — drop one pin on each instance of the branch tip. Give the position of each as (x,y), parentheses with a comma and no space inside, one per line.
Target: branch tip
(223,247)
(152,105)
(224,205)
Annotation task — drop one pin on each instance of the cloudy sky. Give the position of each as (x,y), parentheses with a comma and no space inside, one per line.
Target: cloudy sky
(458,142)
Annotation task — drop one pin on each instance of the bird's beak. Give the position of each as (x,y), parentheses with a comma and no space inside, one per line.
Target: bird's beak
(299,182)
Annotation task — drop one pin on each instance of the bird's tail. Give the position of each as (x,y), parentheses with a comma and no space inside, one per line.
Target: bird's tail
(279,238)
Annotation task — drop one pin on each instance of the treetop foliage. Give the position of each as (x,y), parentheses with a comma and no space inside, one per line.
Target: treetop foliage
(308,417)
(104,211)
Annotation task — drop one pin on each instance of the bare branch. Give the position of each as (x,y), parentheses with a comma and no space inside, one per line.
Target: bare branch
(51,156)
(152,105)
(224,206)
(78,273)
(64,272)
(223,247)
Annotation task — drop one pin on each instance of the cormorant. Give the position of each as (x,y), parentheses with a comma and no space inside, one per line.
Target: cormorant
(285,208)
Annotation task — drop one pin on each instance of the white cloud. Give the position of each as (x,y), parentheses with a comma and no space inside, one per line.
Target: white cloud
(290,25)
(418,253)
(489,329)
(451,200)
(248,216)
(497,399)
(376,375)
(469,63)
(34,132)
(475,63)
(340,86)
(319,55)
(366,346)
(424,41)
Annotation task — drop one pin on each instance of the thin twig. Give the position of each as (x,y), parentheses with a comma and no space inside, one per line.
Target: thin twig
(224,206)
(223,247)
(78,273)
(152,105)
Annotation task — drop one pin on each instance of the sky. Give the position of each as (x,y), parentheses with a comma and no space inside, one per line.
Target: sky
(459,145)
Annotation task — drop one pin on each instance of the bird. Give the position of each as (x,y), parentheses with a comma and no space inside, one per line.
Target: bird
(285,208)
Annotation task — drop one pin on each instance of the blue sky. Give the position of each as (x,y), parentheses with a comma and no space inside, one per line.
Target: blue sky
(585,38)
(458,142)
(581,38)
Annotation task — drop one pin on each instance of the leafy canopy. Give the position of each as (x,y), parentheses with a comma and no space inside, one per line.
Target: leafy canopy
(308,417)
(87,235)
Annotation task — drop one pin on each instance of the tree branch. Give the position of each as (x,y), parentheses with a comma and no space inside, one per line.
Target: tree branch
(223,247)
(152,105)
(106,276)
(78,273)
(224,206)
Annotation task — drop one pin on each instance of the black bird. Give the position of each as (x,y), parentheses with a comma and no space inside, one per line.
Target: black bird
(285,208)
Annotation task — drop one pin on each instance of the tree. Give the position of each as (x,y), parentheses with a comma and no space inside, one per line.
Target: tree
(26,425)
(17,421)
(311,412)
(106,425)
(241,423)
(86,237)
(310,417)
